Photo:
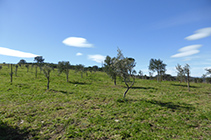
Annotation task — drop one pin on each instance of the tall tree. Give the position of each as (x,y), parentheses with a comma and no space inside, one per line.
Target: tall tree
(64,66)
(158,66)
(110,68)
(187,72)
(180,73)
(125,69)
(46,71)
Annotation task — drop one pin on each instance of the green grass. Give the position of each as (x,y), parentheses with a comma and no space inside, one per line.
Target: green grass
(93,108)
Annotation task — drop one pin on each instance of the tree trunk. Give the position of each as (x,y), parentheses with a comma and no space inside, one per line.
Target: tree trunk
(48,83)
(188,83)
(67,77)
(11,74)
(36,71)
(126,92)
(115,81)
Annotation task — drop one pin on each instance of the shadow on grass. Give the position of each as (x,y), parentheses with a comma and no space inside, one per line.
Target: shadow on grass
(179,85)
(62,91)
(79,83)
(143,88)
(171,105)
(10,133)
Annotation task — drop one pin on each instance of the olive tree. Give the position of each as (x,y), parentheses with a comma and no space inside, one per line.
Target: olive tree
(124,68)
(64,66)
(40,61)
(46,71)
(110,68)
(187,72)
(158,66)
(180,73)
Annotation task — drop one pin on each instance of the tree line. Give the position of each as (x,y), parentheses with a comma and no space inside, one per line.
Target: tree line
(117,67)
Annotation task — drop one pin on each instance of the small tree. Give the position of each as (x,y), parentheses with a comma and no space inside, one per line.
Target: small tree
(46,71)
(124,68)
(180,73)
(40,61)
(0,67)
(187,72)
(158,66)
(64,66)
(110,68)
(22,61)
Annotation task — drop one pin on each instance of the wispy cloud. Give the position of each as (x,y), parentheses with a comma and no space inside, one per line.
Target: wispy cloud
(79,54)
(187,51)
(97,58)
(201,33)
(77,42)
(15,53)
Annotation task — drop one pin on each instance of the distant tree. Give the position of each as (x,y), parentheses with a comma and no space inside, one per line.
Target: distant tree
(140,74)
(187,72)
(124,68)
(81,69)
(204,77)
(22,61)
(40,61)
(64,66)
(110,68)
(180,73)
(158,66)
(150,75)
(95,68)
(46,71)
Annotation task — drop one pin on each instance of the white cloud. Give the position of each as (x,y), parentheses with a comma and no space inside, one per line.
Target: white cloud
(15,53)
(187,51)
(201,33)
(97,58)
(77,42)
(79,54)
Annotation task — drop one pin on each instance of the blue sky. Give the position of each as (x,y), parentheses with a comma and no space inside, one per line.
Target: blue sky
(85,31)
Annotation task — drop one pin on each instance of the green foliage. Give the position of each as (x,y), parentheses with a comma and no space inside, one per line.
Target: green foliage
(110,68)
(124,68)
(39,59)
(64,66)
(158,66)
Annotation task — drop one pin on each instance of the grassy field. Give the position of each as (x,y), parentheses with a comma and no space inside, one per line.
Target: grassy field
(93,108)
